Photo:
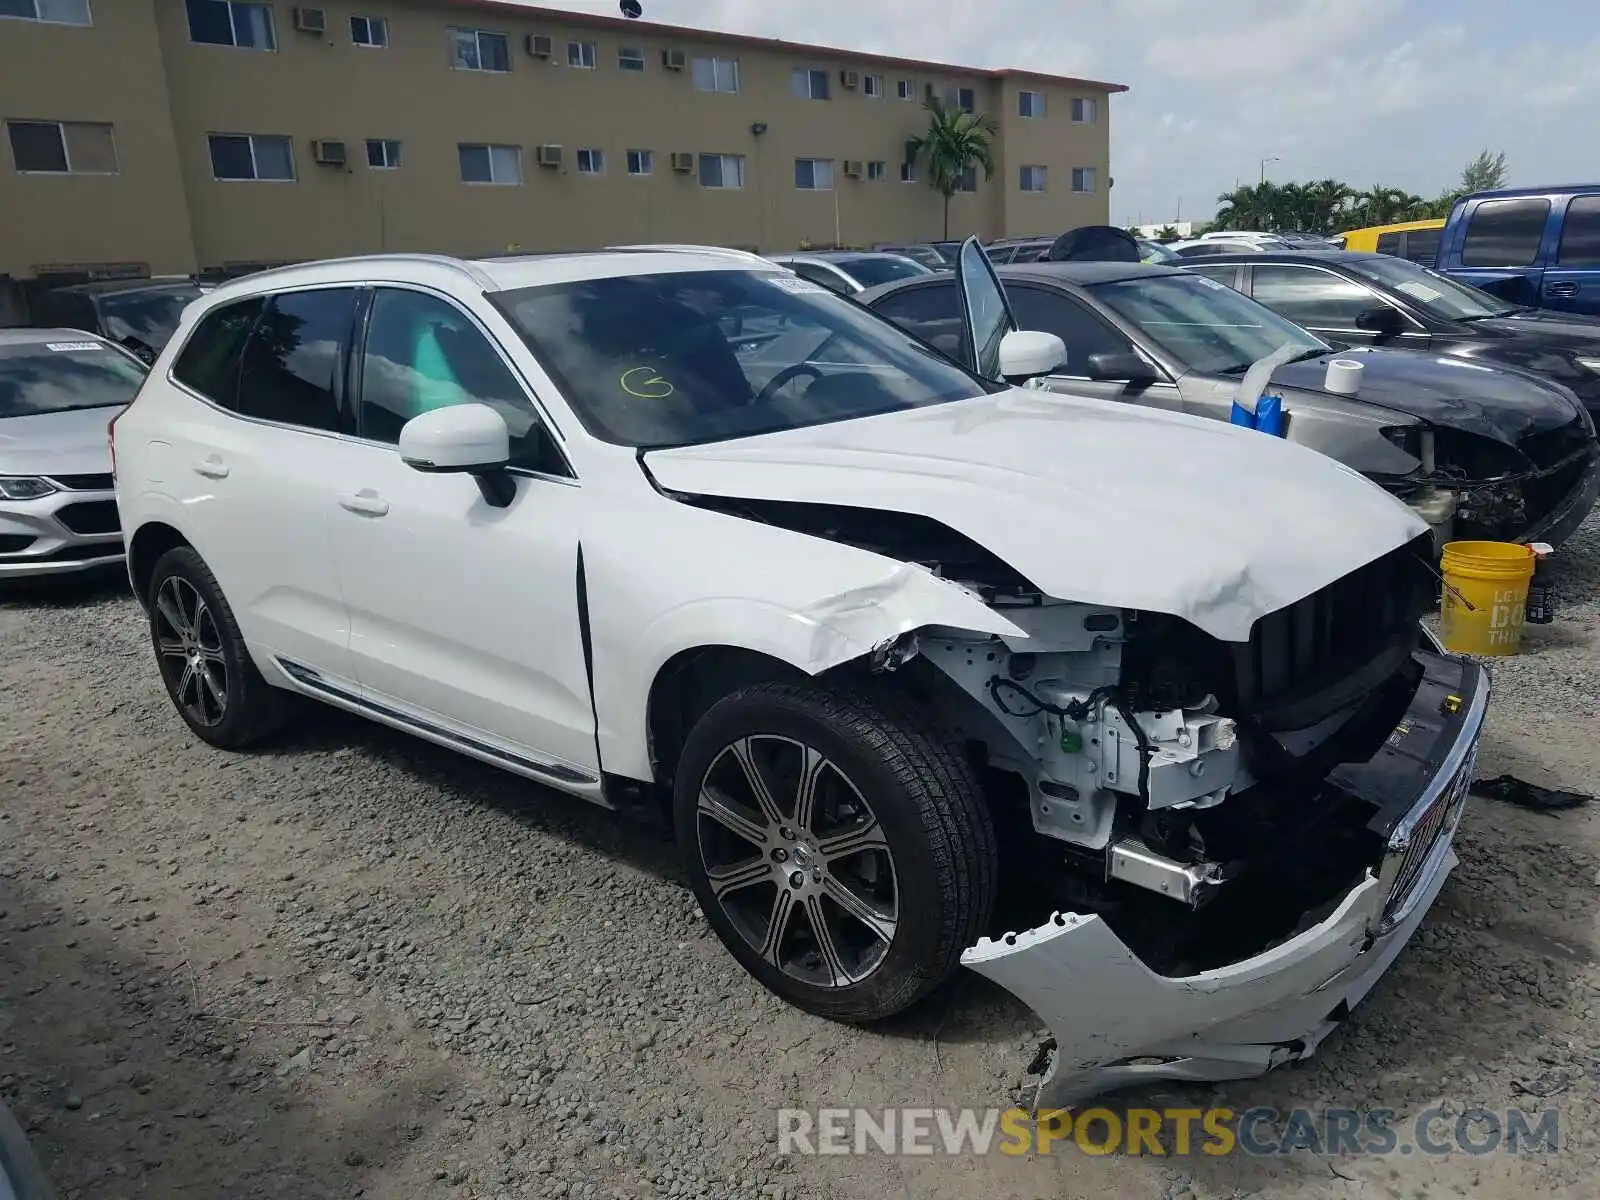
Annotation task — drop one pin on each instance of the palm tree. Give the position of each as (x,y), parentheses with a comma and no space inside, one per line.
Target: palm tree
(956,142)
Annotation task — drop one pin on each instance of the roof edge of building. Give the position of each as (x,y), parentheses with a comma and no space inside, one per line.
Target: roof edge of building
(597,21)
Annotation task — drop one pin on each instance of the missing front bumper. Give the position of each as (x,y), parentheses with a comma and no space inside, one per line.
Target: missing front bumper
(1117,1023)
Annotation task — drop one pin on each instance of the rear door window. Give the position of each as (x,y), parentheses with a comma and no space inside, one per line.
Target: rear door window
(932,313)
(293,367)
(1311,297)
(1505,233)
(1422,246)
(1580,233)
(209,362)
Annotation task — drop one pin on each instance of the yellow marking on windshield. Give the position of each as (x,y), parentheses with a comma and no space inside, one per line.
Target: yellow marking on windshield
(645,383)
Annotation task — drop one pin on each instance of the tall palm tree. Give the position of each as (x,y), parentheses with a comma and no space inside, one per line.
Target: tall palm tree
(956,142)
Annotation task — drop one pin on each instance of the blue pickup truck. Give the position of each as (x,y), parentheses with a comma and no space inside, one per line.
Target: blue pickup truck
(1534,246)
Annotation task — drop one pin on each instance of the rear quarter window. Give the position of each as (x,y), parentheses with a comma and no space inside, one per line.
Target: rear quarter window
(1505,233)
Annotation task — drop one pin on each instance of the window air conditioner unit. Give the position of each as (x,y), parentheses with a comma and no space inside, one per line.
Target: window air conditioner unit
(329,154)
(539,46)
(674,60)
(683,163)
(851,79)
(853,168)
(310,20)
(549,156)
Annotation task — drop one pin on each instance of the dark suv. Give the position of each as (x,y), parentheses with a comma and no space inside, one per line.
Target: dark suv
(138,313)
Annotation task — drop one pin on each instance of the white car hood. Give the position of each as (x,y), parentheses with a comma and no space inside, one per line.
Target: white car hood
(1093,501)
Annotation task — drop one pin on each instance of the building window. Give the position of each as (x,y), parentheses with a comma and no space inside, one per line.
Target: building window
(813,174)
(908,172)
(580,54)
(722,170)
(1084,112)
(232,23)
(905,89)
(62,147)
(1033,179)
(630,58)
(1030,104)
(877,171)
(482,163)
(967,180)
(1083,179)
(251,156)
(640,162)
(383,154)
(57,12)
(809,85)
(369,31)
(591,161)
(963,98)
(480,50)
(716,74)
(872,85)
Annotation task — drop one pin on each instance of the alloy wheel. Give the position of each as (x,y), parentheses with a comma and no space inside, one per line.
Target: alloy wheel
(797,860)
(189,647)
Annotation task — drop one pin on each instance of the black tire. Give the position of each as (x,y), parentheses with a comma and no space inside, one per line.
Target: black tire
(251,710)
(18,1166)
(928,807)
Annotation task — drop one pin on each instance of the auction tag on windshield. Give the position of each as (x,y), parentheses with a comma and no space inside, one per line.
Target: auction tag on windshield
(60,347)
(795,285)
(1420,290)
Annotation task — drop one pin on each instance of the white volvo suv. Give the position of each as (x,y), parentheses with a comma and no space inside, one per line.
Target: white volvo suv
(913,656)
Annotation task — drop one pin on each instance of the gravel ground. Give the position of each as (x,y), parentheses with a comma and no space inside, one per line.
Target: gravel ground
(358,965)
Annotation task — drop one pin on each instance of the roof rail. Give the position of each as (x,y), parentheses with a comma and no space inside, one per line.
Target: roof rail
(685,248)
(399,258)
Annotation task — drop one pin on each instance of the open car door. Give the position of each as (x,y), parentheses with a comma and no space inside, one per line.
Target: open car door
(985,311)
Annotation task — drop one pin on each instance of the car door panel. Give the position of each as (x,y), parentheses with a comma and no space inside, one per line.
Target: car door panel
(501,660)
(1326,303)
(257,478)
(1050,310)
(1572,282)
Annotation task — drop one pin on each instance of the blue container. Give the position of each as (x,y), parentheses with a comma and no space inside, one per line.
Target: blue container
(1242,416)
(1269,415)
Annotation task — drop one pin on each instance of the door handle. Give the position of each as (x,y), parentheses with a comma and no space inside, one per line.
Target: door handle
(1564,290)
(366,502)
(211,468)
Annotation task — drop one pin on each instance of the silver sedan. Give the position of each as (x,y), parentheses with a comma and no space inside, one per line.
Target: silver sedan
(59,389)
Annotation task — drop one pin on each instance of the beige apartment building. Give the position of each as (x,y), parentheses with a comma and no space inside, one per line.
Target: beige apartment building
(170,136)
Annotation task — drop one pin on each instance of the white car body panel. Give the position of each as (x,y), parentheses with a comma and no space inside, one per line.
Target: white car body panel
(1044,483)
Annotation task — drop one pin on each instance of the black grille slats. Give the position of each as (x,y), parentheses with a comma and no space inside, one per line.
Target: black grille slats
(84,483)
(92,516)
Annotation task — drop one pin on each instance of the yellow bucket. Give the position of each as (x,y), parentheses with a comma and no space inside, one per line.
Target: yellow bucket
(1485,596)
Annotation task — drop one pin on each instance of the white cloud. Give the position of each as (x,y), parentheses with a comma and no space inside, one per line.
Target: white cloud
(1398,92)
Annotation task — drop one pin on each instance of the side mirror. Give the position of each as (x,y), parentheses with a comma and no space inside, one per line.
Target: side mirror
(464,439)
(1382,320)
(1026,353)
(141,349)
(1121,366)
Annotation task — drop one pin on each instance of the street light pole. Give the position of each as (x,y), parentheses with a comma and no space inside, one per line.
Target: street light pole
(1264,162)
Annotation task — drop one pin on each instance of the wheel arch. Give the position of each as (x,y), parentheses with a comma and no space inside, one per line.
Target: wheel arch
(145,548)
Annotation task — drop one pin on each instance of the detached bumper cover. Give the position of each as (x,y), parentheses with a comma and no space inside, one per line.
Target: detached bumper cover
(1117,1023)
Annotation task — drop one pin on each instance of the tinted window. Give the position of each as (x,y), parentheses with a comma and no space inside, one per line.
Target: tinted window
(294,359)
(63,375)
(1580,233)
(1308,296)
(422,354)
(1201,249)
(1082,331)
(1222,272)
(820,275)
(149,317)
(210,362)
(932,313)
(870,272)
(646,360)
(1422,246)
(1389,243)
(1505,233)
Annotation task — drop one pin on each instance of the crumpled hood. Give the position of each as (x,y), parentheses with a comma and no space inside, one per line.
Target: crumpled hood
(1093,501)
(57,443)
(1446,391)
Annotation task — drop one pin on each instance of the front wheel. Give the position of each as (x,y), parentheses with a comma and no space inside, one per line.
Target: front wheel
(840,850)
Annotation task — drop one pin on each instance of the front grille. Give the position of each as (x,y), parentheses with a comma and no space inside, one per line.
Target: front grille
(93,516)
(15,543)
(84,483)
(1415,845)
(1546,449)
(1330,649)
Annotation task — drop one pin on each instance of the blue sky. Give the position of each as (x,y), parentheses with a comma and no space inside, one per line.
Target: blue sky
(1397,92)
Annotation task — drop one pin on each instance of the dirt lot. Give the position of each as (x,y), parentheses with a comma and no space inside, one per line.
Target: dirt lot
(360,966)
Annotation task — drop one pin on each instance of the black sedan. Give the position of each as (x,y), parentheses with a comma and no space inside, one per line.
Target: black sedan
(1380,300)
(1476,451)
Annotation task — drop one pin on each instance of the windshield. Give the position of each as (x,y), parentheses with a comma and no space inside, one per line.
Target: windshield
(1206,326)
(699,356)
(49,377)
(869,272)
(150,317)
(1428,290)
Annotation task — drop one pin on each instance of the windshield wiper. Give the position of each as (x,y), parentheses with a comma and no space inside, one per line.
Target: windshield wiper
(1504,312)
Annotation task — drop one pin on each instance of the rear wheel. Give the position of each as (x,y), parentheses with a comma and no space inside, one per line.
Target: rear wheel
(209,674)
(841,852)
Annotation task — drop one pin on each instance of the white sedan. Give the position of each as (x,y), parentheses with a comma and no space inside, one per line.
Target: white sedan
(900,647)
